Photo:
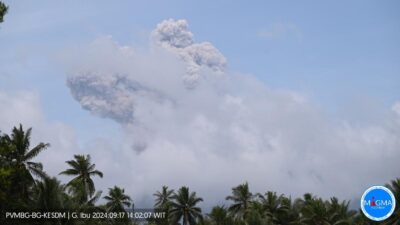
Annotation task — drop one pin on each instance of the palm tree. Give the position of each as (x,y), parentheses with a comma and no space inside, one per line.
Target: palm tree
(49,194)
(272,205)
(117,200)
(82,185)
(394,186)
(184,207)
(253,217)
(339,212)
(19,156)
(163,204)
(219,216)
(20,140)
(242,199)
(314,210)
(163,197)
(361,219)
(290,211)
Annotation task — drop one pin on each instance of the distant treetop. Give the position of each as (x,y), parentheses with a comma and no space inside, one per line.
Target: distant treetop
(3,11)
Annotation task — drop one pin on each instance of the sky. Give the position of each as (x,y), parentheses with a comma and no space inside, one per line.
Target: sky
(292,97)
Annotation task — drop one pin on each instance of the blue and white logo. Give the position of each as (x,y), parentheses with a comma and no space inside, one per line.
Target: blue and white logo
(378,203)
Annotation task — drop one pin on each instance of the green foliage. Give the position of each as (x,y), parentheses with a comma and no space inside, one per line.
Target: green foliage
(163,198)
(25,186)
(117,200)
(83,170)
(184,207)
(17,165)
(394,186)
(6,171)
(49,194)
(5,182)
(163,202)
(18,171)
(219,216)
(3,11)
(242,199)
(20,140)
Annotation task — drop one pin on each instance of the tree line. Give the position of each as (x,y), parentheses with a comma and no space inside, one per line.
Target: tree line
(25,186)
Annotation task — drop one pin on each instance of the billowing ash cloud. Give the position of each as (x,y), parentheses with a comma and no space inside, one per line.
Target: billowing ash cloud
(171,33)
(174,36)
(112,96)
(218,131)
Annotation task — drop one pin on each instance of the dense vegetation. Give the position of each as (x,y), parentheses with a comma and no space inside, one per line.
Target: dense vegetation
(25,186)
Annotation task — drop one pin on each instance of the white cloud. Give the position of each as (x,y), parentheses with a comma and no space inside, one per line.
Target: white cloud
(25,108)
(396,108)
(174,36)
(211,136)
(21,107)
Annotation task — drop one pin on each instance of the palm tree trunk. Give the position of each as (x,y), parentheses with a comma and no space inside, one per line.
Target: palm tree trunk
(184,218)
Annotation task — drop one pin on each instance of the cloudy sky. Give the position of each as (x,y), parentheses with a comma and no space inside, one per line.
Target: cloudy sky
(294,98)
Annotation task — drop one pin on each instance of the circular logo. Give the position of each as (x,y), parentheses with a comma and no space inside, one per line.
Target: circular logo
(378,203)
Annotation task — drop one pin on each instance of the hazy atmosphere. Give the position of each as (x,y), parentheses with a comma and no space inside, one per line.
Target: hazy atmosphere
(209,94)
